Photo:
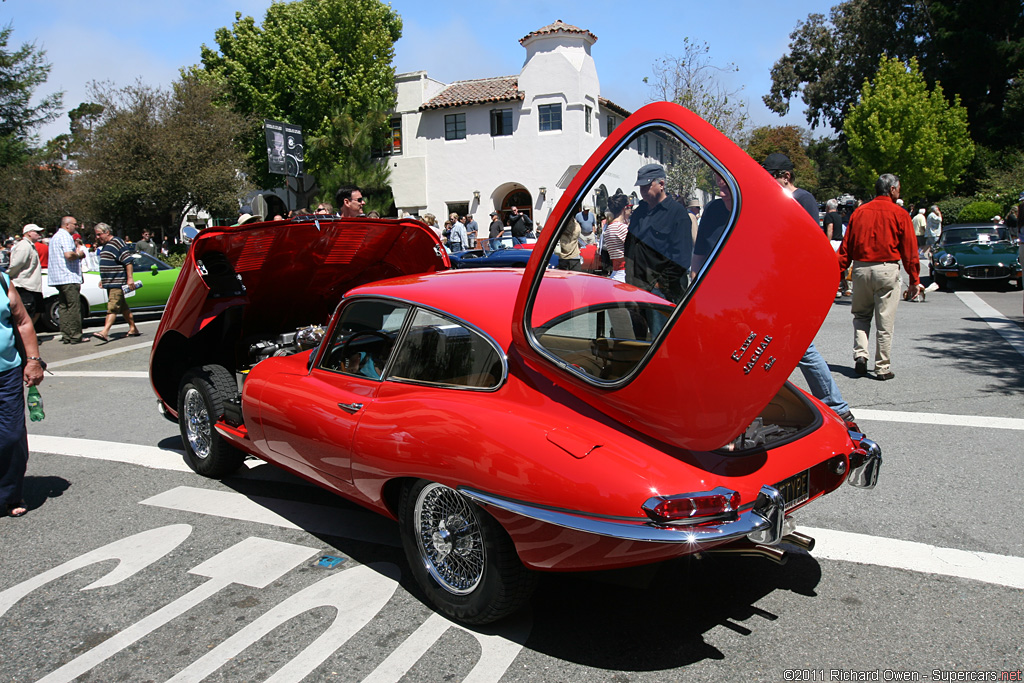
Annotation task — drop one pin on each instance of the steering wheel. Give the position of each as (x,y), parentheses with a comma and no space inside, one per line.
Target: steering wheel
(343,349)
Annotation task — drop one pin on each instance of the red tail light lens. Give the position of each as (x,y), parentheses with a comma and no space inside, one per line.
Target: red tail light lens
(693,507)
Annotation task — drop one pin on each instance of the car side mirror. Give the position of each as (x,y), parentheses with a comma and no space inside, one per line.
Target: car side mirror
(188,234)
(154,269)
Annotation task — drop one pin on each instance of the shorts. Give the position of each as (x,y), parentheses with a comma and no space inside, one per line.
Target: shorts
(116,302)
(33,301)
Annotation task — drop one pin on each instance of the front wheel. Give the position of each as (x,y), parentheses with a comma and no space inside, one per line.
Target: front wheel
(461,557)
(201,399)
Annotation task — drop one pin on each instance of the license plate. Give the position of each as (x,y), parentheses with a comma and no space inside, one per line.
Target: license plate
(795,489)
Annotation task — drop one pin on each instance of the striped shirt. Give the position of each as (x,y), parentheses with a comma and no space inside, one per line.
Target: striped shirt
(60,270)
(114,255)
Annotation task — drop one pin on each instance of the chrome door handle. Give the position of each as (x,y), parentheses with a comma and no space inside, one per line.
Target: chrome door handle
(351,407)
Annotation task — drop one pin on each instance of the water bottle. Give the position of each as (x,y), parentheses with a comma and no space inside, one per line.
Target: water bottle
(126,289)
(35,405)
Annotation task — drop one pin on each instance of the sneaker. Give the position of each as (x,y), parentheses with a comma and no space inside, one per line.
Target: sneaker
(861,366)
(883,376)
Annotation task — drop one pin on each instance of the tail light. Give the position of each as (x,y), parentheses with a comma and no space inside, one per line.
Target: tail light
(693,508)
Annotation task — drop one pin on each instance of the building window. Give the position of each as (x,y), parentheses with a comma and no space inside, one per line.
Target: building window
(550,116)
(588,112)
(501,122)
(454,126)
(611,124)
(660,153)
(396,135)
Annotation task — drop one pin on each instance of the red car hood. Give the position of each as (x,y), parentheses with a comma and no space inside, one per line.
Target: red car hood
(275,277)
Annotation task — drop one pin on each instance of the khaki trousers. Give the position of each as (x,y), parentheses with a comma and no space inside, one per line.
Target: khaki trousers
(876,292)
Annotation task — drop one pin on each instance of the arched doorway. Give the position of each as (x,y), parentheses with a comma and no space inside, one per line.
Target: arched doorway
(520,198)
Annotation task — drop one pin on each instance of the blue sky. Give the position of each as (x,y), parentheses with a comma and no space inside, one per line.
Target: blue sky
(124,40)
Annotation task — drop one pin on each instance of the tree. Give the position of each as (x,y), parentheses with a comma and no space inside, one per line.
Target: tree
(21,73)
(973,47)
(350,143)
(900,126)
(692,81)
(307,59)
(791,141)
(156,153)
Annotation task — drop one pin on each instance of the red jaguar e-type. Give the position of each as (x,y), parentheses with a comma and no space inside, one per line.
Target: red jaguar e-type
(517,420)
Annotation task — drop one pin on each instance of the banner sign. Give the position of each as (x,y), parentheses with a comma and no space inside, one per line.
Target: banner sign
(284,148)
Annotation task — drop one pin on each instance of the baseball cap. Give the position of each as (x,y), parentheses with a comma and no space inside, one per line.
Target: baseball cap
(649,173)
(777,161)
(494,213)
(31,227)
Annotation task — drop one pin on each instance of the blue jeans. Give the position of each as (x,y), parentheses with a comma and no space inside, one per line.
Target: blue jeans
(518,240)
(819,378)
(13,436)
(495,243)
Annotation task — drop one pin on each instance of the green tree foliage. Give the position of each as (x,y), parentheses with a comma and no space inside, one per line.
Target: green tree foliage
(900,126)
(831,158)
(22,71)
(156,153)
(306,59)
(349,145)
(789,140)
(973,47)
(978,212)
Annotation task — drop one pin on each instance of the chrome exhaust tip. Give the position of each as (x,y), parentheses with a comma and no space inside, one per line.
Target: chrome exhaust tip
(747,549)
(799,540)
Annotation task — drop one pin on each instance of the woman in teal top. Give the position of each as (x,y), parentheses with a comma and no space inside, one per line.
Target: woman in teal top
(15,374)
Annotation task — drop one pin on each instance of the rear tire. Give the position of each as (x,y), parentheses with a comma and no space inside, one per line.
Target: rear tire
(201,398)
(49,319)
(461,557)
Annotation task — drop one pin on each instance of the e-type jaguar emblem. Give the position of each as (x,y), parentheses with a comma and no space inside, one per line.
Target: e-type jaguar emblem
(755,356)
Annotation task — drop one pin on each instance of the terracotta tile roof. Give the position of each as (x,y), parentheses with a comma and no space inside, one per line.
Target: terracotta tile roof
(611,106)
(558,27)
(481,91)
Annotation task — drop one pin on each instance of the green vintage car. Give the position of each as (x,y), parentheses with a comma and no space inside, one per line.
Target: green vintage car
(157,280)
(974,253)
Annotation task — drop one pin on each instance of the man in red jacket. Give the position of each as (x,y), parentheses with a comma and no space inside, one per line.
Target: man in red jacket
(879,236)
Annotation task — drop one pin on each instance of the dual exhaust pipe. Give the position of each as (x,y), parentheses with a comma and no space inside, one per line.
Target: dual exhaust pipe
(747,548)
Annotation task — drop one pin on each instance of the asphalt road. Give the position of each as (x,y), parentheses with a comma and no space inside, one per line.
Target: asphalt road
(131,568)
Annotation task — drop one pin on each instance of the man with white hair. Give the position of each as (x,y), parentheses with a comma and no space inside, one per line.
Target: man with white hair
(833,221)
(920,228)
(26,272)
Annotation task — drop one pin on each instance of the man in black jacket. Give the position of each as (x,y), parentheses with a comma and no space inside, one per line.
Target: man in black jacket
(521,225)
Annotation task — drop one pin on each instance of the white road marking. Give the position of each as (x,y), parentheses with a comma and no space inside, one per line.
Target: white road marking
(981,421)
(133,454)
(133,554)
(279,512)
(108,374)
(1001,570)
(99,354)
(254,562)
(497,650)
(358,595)
(1006,328)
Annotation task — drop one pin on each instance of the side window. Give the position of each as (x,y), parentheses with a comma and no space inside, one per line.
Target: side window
(668,220)
(364,338)
(437,350)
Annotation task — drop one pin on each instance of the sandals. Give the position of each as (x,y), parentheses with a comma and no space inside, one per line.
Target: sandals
(134,334)
(97,335)
(17,509)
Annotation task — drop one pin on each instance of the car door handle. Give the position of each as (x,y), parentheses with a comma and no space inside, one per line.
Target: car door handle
(351,407)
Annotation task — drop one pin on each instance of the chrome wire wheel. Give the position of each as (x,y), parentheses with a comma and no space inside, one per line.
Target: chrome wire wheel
(197,423)
(449,538)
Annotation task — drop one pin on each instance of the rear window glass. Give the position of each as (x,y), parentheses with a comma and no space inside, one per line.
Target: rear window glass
(438,350)
(647,225)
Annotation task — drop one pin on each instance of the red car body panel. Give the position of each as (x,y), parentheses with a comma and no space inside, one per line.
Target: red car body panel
(796,272)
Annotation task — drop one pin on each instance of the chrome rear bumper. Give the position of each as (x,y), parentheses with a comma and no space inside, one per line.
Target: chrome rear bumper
(864,468)
(764,523)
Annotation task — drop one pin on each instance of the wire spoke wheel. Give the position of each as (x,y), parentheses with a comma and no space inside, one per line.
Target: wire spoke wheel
(449,538)
(197,423)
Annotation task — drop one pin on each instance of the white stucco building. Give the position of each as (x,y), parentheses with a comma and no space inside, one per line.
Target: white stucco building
(475,146)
